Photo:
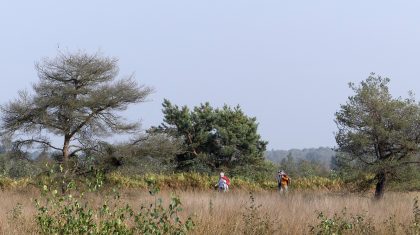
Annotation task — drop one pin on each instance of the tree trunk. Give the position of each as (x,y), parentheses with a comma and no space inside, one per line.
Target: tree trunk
(66,149)
(380,185)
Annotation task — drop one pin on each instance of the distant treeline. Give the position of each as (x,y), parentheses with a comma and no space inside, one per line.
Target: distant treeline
(322,155)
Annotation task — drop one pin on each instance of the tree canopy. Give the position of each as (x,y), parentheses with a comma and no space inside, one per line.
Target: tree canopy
(377,131)
(213,138)
(77,97)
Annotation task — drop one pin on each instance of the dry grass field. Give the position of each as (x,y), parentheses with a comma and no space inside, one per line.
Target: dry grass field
(232,213)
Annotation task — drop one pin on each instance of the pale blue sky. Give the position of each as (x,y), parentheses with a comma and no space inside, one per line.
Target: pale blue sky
(286,62)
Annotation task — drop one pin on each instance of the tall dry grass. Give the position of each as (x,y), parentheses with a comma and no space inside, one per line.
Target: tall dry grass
(292,214)
(223,213)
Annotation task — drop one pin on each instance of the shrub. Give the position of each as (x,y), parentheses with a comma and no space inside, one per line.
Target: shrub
(342,224)
(72,213)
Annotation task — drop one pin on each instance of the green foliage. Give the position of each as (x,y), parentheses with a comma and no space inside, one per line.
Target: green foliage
(303,167)
(320,156)
(155,219)
(77,98)
(146,153)
(72,213)
(377,132)
(259,172)
(174,181)
(63,215)
(342,224)
(213,138)
(17,165)
(408,179)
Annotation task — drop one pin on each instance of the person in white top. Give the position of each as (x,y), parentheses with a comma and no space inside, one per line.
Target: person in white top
(223,183)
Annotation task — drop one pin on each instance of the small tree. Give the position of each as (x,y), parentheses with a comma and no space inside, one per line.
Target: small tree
(215,138)
(378,131)
(77,97)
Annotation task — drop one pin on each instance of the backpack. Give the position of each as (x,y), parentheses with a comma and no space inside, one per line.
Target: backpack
(285,178)
(227,180)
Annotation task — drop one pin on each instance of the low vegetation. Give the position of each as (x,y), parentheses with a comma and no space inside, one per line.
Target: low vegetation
(187,181)
(130,211)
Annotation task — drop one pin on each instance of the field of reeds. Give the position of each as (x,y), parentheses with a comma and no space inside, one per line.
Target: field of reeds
(312,206)
(244,213)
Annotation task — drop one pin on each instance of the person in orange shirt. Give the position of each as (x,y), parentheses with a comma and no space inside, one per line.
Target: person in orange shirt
(283,181)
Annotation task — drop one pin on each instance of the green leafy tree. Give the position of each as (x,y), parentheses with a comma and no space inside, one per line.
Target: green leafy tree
(378,132)
(76,98)
(216,138)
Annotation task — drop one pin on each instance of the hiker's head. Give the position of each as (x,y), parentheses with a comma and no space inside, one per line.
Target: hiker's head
(282,173)
(222,174)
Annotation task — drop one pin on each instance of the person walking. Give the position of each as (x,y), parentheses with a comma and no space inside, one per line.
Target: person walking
(223,183)
(283,181)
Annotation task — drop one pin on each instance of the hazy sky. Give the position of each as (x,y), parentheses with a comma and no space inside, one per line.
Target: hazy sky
(285,62)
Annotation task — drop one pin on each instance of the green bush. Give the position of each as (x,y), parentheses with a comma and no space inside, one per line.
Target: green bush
(18,165)
(71,212)
(342,224)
